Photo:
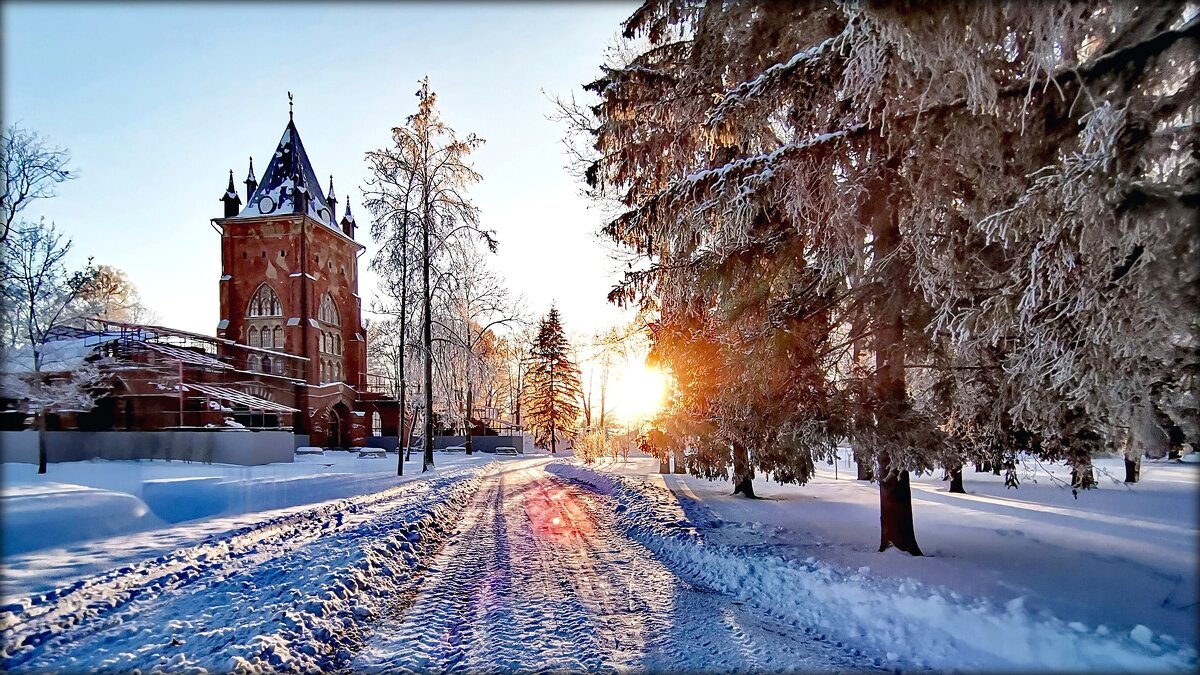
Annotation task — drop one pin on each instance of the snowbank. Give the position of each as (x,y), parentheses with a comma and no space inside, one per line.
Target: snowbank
(915,624)
(57,527)
(289,592)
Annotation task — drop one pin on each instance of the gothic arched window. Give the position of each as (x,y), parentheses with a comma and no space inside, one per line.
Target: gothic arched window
(254,363)
(265,303)
(252,340)
(328,313)
(376,424)
(277,337)
(266,364)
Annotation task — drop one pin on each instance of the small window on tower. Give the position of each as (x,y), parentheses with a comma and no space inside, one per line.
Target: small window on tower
(282,255)
(243,254)
(264,254)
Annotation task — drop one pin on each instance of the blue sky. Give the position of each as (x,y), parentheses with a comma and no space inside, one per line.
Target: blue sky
(156,103)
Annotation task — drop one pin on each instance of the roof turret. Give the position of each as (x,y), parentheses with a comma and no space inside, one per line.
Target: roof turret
(233,203)
(348,223)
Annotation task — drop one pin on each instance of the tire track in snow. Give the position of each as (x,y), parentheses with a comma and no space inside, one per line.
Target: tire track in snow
(540,578)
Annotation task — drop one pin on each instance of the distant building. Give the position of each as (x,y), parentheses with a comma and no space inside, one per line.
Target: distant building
(290,349)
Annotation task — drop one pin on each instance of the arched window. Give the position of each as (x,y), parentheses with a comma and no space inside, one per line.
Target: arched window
(376,424)
(254,363)
(277,337)
(265,303)
(266,364)
(328,313)
(252,340)
(337,345)
(279,366)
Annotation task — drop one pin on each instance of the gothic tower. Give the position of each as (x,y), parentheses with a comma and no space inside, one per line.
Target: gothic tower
(289,283)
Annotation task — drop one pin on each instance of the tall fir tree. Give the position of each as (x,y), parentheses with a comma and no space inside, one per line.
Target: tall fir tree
(932,231)
(553,390)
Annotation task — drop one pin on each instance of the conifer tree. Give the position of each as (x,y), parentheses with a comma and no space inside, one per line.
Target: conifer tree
(552,390)
(934,231)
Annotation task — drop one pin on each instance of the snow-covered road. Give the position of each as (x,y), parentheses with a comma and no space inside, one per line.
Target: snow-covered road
(499,567)
(537,577)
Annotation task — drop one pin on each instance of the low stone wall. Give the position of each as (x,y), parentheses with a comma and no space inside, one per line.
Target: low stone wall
(480,443)
(247,448)
(389,443)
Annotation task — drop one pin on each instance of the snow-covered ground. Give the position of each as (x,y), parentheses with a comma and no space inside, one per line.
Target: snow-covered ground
(1027,578)
(87,517)
(542,563)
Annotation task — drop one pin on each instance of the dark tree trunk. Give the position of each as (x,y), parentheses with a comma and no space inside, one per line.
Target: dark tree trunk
(470,402)
(427,458)
(1133,469)
(979,467)
(1085,479)
(1175,453)
(895,510)
(553,440)
(743,471)
(678,457)
(864,466)
(895,496)
(41,432)
(956,480)
(664,464)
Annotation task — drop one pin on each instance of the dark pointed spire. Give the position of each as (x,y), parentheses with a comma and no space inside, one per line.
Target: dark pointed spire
(290,118)
(332,199)
(289,184)
(233,203)
(251,181)
(348,223)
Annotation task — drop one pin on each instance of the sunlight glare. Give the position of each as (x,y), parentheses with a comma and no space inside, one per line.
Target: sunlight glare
(639,392)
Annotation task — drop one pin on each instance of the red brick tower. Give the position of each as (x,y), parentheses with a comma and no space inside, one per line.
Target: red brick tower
(289,283)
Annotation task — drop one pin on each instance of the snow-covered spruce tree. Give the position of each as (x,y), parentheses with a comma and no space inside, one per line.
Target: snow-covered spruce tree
(552,389)
(909,154)
(421,181)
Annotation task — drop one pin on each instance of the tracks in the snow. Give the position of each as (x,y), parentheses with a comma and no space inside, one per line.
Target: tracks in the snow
(539,578)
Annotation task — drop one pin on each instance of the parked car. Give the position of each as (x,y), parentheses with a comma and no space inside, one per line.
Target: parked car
(506,450)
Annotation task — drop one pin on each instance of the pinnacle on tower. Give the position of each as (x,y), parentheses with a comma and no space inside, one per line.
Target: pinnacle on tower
(348,223)
(332,199)
(251,182)
(233,203)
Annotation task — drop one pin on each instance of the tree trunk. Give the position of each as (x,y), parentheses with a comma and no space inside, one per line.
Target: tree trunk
(743,471)
(553,441)
(1133,469)
(664,464)
(403,443)
(895,510)
(1085,479)
(427,459)
(678,457)
(863,461)
(470,402)
(41,431)
(895,496)
(956,480)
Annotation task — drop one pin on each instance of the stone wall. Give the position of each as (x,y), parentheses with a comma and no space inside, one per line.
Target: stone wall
(247,448)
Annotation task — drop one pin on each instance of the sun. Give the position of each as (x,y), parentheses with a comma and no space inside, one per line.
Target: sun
(638,392)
